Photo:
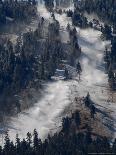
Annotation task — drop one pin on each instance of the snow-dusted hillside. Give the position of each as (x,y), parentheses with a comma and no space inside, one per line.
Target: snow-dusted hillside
(45,115)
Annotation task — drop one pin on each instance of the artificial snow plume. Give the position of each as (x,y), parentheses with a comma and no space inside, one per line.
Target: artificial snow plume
(46,113)
(93,78)
(42,11)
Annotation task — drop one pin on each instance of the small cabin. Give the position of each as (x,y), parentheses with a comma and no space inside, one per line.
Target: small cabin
(60,73)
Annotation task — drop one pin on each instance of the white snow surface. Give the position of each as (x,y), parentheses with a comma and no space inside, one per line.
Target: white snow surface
(93,78)
(45,115)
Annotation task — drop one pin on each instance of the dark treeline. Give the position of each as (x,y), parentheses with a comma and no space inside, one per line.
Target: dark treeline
(49,4)
(11,10)
(35,57)
(106,10)
(75,50)
(78,18)
(31,60)
(110,59)
(69,141)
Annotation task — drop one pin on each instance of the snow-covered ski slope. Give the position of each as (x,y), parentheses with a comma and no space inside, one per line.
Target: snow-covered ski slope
(45,115)
(93,79)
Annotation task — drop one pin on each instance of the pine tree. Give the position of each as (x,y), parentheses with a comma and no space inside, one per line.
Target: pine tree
(1,150)
(7,144)
(114,147)
(17,144)
(29,139)
(36,142)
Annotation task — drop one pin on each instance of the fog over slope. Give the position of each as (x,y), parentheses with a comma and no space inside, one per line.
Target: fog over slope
(46,113)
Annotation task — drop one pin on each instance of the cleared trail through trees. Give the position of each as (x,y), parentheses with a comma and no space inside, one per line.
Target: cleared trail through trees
(93,78)
(45,115)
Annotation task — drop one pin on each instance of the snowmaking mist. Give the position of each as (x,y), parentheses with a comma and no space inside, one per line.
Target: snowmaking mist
(46,113)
